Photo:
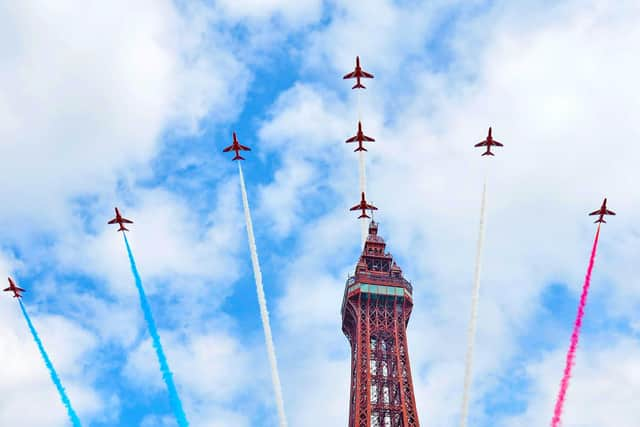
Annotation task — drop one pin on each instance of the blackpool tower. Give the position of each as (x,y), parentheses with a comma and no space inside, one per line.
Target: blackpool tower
(375,312)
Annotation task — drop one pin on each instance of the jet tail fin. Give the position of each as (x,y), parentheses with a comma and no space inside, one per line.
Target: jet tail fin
(599,220)
(238,157)
(360,149)
(358,85)
(488,153)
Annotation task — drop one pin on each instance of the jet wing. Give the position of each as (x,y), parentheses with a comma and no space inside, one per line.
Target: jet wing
(373,208)
(365,74)
(352,139)
(355,208)
(6,290)
(229,148)
(126,221)
(595,212)
(20,289)
(113,221)
(480,144)
(245,148)
(610,212)
(367,138)
(350,75)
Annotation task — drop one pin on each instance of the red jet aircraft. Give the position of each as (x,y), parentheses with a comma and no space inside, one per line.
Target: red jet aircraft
(237,147)
(602,212)
(119,219)
(488,142)
(360,137)
(363,205)
(13,288)
(358,74)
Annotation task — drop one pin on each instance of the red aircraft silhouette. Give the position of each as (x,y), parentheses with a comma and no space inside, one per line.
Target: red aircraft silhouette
(360,137)
(13,288)
(236,146)
(363,205)
(602,212)
(358,74)
(488,142)
(119,219)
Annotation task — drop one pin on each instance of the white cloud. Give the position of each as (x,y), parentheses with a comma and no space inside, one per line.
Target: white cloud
(88,91)
(387,35)
(280,203)
(293,13)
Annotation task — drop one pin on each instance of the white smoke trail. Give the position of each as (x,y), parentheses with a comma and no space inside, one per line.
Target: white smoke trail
(358,105)
(363,189)
(262,301)
(363,175)
(474,312)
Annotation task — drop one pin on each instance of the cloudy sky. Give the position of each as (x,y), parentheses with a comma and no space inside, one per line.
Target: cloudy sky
(129,104)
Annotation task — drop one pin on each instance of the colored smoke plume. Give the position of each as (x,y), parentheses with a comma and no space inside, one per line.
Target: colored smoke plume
(468,369)
(75,421)
(167,376)
(262,302)
(575,336)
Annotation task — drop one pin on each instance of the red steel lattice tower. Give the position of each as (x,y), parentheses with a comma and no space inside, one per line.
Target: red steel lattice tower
(375,312)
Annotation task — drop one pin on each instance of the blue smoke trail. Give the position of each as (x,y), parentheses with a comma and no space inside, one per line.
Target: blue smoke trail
(167,376)
(54,376)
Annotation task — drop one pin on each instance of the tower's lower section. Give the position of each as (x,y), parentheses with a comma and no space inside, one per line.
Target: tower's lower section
(381,387)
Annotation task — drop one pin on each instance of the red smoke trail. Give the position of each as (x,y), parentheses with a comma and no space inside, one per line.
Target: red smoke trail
(564,384)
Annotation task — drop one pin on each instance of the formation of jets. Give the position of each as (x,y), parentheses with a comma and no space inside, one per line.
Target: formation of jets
(358,73)
(360,137)
(15,289)
(119,219)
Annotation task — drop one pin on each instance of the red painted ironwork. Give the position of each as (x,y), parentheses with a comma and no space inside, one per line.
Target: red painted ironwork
(375,312)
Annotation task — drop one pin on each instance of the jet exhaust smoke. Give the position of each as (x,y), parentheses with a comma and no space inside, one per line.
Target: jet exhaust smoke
(363,189)
(363,175)
(468,370)
(262,302)
(167,376)
(564,384)
(358,106)
(75,421)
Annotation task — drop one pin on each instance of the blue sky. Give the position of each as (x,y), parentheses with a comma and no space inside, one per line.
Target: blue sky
(130,105)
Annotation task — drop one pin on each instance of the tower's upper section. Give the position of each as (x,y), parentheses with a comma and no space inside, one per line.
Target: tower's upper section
(376,271)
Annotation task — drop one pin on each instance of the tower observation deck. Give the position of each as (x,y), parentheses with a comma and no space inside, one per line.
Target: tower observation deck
(375,311)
